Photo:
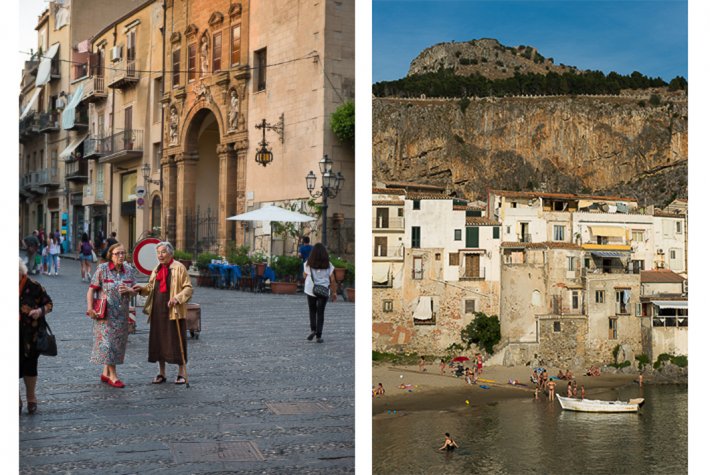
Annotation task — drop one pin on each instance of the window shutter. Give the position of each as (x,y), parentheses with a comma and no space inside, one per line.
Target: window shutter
(472,237)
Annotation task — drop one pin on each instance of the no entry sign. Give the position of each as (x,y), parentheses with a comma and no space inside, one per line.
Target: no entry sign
(145,257)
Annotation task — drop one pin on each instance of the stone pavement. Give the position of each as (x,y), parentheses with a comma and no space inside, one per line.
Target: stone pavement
(261,399)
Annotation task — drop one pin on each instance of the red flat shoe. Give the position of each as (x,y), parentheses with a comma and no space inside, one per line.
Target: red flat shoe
(116,384)
(104,379)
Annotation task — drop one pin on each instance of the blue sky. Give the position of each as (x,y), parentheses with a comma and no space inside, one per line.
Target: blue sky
(608,35)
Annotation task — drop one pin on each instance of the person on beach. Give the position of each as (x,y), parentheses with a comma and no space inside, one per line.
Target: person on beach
(379,390)
(422,362)
(168,290)
(582,391)
(35,304)
(569,389)
(551,390)
(469,376)
(479,364)
(640,380)
(318,271)
(442,366)
(560,374)
(568,375)
(449,443)
(574,388)
(113,280)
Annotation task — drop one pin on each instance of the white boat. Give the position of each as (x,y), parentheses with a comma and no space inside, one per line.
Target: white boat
(595,405)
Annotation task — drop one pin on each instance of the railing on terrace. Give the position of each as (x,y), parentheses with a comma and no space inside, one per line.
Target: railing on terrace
(388,251)
(48,176)
(596,271)
(525,238)
(49,120)
(124,141)
(396,222)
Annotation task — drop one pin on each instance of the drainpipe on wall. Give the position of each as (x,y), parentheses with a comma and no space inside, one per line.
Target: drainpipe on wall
(162,114)
(109,213)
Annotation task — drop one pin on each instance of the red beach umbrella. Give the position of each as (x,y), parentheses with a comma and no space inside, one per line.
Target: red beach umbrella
(458,359)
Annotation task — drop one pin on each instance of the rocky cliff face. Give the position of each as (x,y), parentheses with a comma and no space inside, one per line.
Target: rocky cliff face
(486,57)
(620,145)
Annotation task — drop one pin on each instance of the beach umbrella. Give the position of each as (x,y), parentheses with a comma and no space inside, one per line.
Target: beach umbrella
(459,359)
(272,213)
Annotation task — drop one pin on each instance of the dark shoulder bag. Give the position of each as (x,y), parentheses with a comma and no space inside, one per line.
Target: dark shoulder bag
(319,290)
(46,343)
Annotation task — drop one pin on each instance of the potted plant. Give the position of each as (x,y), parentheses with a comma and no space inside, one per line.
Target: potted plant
(203,262)
(184,257)
(350,282)
(287,269)
(259,260)
(340,269)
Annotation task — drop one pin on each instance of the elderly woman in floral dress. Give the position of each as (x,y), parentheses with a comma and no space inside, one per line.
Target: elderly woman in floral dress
(114,280)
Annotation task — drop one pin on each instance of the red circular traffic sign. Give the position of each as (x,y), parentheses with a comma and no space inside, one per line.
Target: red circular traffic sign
(145,257)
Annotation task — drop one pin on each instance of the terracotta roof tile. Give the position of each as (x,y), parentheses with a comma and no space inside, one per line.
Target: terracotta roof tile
(666,214)
(388,191)
(429,196)
(570,196)
(388,202)
(542,245)
(406,184)
(479,221)
(660,276)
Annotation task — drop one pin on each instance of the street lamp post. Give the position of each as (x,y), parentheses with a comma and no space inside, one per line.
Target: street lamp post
(331,183)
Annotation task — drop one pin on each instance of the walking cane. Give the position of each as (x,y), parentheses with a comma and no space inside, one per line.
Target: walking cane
(182,352)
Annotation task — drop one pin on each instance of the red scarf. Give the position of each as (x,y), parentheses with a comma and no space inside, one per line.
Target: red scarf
(162,276)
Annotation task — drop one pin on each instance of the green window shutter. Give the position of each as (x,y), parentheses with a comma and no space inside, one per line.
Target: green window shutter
(472,237)
(416,236)
(496,232)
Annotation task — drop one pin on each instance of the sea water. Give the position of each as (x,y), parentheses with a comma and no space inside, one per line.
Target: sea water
(535,436)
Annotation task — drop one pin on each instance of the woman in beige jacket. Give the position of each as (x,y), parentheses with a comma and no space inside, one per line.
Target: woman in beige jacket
(168,290)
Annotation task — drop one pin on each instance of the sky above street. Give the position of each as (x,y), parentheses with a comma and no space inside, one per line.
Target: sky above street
(608,35)
(29,11)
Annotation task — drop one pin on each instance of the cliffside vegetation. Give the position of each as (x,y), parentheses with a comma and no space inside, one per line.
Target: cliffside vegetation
(445,83)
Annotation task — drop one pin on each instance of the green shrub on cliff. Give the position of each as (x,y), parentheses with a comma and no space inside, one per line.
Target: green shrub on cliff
(483,331)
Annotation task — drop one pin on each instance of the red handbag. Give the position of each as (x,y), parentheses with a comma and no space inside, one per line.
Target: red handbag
(100,307)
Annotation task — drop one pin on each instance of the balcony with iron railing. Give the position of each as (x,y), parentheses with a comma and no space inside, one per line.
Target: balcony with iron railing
(76,170)
(49,122)
(48,177)
(29,126)
(525,237)
(560,306)
(473,273)
(388,253)
(395,223)
(123,146)
(95,147)
(81,118)
(124,75)
(94,89)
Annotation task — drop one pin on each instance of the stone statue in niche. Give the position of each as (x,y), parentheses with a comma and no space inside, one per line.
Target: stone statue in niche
(233,110)
(173,126)
(204,54)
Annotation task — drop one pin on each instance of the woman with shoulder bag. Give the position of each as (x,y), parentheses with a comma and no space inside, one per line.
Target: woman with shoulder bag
(319,285)
(114,281)
(85,257)
(34,305)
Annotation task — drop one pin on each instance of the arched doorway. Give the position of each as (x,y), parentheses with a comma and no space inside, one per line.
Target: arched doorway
(202,208)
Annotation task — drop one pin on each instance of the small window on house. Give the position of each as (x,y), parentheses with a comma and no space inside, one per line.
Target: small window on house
(557,326)
(559,233)
(571,264)
(587,262)
(176,67)
(416,237)
(622,301)
(496,232)
(637,235)
(613,331)
(469,306)
(457,234)
(381,246)
(400,212)
(131,46)
(678,227)
(217,52)
(260,69)
(575,299)
(437,256)
(191,62)
(599,296)
(417,268)
(672,254)
(453,258)
(513,204)
(387,306)
(416,204)
(507,230)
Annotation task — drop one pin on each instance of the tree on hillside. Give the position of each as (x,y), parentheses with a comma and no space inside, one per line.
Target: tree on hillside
(483,331)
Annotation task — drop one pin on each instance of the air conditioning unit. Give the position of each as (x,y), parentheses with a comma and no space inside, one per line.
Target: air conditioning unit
(116,52)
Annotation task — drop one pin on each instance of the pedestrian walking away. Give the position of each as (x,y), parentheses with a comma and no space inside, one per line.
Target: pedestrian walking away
(54,250)
(35,304)
(168,291)
(318,274)
(113,280)
(85,257)
(109,242)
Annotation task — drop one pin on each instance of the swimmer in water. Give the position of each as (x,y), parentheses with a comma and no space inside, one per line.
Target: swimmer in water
(449,443)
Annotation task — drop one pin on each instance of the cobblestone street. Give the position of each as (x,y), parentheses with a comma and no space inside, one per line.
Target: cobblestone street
(261,399)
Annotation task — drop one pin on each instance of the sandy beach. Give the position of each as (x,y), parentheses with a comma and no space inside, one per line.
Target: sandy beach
(430,390)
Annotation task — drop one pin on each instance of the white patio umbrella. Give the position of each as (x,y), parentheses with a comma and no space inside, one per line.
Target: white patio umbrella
(272,213)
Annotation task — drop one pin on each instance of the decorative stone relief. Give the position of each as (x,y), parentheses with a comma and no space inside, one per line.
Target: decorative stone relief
(233,110)
(204,56)
(215,19)
(174,121)
(235,10)
(202,91)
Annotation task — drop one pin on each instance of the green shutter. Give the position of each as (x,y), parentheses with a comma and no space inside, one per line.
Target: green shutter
(472,237)
(496,232)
